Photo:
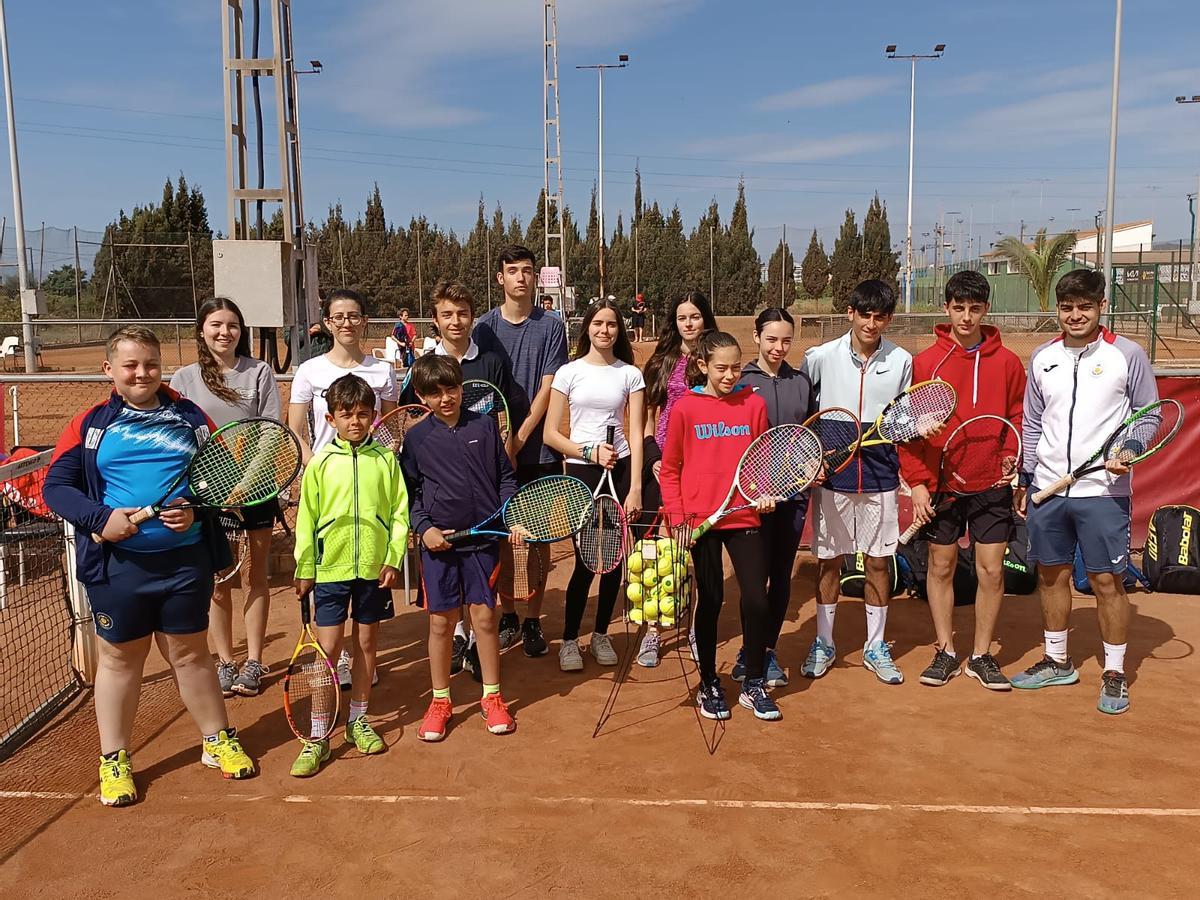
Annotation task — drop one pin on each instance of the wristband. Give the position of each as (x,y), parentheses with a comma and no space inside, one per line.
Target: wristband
(586,452)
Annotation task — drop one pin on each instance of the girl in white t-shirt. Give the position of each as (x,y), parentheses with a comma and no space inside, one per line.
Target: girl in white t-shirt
(598,389)
(346,318)
(345,315)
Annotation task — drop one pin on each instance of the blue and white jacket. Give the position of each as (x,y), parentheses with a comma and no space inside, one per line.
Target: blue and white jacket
(1073,401)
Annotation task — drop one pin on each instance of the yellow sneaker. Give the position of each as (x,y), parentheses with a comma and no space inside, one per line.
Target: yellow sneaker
(225,753)
(308,763)
(360,733)
(116,781)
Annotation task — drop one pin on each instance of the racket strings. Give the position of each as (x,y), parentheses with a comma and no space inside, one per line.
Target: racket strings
(839,432)
(550,508)
(391,430)
(980,454)
(918,412)
(312,693)
(1145,433)
(245,463)
(780,463)
(601,541)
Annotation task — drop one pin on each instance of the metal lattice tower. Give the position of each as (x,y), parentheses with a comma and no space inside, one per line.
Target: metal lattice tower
(552,147)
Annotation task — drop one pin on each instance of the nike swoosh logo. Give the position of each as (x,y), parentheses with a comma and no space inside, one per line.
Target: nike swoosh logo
(882,371)
(1117,561)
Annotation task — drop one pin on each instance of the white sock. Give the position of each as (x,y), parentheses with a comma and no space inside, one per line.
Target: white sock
(1056,644)
(358,709)
(825,614)
(1114,657)
(460,630)
(319,726)
(876,620)
(471,639)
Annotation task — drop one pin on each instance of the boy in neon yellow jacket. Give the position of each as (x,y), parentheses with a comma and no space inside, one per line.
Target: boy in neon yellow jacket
(351,536)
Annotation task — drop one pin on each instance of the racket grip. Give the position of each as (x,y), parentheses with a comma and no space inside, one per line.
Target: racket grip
(703,529)
(910,532)
(610,435)
(1057,487)
(137,518)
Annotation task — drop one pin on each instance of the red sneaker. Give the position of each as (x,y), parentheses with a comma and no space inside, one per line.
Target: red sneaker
(495,710)
(437,718)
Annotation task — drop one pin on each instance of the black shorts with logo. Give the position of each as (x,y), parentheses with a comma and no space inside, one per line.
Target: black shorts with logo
(988,516)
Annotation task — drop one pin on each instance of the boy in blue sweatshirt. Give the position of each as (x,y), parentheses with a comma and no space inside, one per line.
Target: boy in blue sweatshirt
(459,474)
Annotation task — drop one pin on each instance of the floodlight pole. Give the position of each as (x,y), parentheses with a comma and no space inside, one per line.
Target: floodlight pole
(18,206)
(1111,194)
(623,60)
(938,50)
(1195,98)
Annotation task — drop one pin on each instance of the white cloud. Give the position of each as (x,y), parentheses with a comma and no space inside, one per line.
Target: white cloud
(782,148)
(836,92)
(397,49)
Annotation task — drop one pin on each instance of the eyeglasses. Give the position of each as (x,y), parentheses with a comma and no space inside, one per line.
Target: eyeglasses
(342,318)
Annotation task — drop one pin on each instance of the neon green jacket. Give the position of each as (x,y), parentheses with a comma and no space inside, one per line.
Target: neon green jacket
(353,517)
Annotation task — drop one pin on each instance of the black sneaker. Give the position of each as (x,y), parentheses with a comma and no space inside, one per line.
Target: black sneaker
(986,671)
(711,700)
(510,629)
(456,654)
(470,663)
(532,640)
(941,670)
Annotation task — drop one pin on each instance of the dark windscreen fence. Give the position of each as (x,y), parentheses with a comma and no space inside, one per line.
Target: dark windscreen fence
(37,676)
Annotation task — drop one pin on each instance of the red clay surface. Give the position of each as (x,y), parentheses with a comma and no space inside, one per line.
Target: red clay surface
(861,788)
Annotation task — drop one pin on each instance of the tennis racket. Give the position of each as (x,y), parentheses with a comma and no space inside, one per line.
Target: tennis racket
(1140,436)
(310,687)
(391,430)
(779,463)
(919,411)
(235,533)
(522,572)
(483,397)
(601,541)
(839,432)
(981,453)
(548,509)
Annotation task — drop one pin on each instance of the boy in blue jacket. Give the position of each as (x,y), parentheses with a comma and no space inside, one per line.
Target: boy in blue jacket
(152,581)
(458,474)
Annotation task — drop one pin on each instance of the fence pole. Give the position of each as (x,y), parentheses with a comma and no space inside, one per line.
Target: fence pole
(78,285)
(179,344)
(1154,319)
(16,418)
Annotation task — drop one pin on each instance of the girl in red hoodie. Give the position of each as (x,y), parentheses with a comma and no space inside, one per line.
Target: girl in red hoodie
(710,428)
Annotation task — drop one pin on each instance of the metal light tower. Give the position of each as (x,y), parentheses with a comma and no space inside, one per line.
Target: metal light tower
(890,50)
(552,150)
(622,62)
(1110,206)
(1195,98)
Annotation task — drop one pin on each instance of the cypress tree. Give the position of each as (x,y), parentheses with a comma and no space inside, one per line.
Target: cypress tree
(845,265)
(814,271)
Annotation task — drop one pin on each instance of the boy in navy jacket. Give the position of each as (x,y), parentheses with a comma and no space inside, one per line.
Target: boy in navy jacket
(458,474)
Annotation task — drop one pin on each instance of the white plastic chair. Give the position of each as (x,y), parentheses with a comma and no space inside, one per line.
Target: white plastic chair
(390,352)
(8,349)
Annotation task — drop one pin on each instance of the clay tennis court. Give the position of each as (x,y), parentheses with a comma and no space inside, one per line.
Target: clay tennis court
(861,788)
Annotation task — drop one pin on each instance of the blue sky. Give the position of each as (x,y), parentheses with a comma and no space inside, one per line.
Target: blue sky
(439,103)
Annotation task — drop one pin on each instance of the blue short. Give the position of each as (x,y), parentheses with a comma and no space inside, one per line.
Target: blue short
(167,591)
(453,578)
(1098,525)
(362,598)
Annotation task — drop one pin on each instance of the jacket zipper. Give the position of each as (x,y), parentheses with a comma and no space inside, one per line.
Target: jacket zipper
(354,481)
(862,378)
(1071,415)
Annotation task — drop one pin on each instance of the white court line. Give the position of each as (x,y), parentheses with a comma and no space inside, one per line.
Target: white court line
(668,802)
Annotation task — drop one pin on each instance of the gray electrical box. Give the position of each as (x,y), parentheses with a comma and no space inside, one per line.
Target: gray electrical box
(33,301)
(258,277)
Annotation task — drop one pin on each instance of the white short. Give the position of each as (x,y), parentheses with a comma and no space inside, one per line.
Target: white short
(853,523)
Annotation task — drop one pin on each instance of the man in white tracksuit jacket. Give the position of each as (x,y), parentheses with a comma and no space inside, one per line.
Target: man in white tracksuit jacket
(1080,387)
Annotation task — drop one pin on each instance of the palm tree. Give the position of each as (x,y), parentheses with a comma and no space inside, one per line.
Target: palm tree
(1040,264)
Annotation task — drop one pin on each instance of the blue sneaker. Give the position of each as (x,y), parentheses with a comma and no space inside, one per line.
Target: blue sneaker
(775,676)
(1045,673)
(739,666)
(1114,693)
(754,696)
(711,700)
(878,658)
(820,658)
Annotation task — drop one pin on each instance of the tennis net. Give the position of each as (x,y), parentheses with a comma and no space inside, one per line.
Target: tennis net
(37,625)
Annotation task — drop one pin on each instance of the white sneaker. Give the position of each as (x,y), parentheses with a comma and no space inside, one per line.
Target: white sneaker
(692,646)
(343,670)
(569,657)
(602,650)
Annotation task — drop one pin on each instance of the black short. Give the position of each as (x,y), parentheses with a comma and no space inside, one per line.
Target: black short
(989,516)
(262,515)
(639,320)
(532,471)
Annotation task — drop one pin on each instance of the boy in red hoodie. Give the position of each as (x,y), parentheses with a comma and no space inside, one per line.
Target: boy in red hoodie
(710,428)
(990,380)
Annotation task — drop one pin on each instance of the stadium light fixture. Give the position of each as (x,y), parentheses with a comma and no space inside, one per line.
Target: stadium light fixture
(621,63)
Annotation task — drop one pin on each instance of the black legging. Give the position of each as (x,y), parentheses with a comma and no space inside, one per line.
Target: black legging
(781,539)
(748,553)
(581,579)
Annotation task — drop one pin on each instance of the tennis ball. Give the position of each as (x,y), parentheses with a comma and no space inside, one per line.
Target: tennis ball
(666,621)
(665,546)
(667,585)
(665,566)
(635,562)
(635,616)
(634,592)
(666,606)
(650,610)
(650,577)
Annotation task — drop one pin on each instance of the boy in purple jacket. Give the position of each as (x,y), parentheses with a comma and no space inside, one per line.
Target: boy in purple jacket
(458,474)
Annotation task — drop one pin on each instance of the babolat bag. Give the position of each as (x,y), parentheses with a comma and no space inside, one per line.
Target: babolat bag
(854,576)
(1172,558)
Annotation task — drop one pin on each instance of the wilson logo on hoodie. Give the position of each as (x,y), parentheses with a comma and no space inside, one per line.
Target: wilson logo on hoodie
(708,430)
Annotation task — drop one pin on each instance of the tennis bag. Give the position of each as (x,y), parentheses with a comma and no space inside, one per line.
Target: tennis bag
(854,575)
(1020,577)
(1172,558)
(1079,577)
(916,555)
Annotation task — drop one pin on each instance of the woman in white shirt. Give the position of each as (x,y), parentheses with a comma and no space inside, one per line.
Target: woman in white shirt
(598,389)
(229,385)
